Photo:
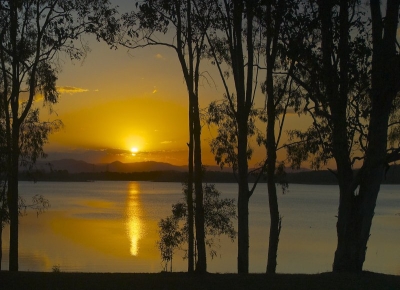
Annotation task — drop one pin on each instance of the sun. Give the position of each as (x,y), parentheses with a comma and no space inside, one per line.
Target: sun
(134,149)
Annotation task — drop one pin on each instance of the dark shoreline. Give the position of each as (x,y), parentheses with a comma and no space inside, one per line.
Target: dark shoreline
(323,177)
(169,281)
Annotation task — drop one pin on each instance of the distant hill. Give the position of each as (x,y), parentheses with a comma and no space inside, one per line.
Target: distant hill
(78,166)
(77,170)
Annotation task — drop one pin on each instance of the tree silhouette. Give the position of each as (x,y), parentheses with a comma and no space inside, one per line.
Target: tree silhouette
(338,70)
(231,40)
(33,34)
(179,20)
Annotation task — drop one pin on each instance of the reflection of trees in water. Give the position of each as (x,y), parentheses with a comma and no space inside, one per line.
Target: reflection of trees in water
(134,213)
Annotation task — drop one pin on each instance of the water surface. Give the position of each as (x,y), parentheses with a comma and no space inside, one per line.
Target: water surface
(112,227)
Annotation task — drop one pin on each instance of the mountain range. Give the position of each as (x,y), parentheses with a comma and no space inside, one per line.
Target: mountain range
(78,170)
(79,166)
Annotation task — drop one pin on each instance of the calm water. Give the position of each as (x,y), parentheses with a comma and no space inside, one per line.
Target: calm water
(112,227)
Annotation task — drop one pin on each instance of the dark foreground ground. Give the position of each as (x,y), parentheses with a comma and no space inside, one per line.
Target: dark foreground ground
(169,281)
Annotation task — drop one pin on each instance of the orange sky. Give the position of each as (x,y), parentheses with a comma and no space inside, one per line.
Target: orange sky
(115,100)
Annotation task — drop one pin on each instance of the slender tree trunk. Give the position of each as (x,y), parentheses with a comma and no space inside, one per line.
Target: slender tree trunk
(341,149)
(13,202)
(275,226)
(243,229)
(201,266)
(190,194)
(2,217)
(13,143)
(1,242)
(190,84)
(243,202)
(369,187)
(244,92)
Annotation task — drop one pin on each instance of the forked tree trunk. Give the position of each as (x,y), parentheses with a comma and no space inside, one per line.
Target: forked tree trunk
(385,84)
(190,72)
(244,91)
(354,227)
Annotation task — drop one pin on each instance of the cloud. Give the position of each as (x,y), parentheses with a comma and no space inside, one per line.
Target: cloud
(166,142)
(71,90)
(155,91)
(114,151)
(159,56)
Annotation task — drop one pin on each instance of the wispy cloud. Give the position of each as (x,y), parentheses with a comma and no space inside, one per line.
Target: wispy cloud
(166,142)
(159,56)
(154,91)
(113,151)
(71,90)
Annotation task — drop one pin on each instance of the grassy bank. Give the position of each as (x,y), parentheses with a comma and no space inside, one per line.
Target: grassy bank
(169,281)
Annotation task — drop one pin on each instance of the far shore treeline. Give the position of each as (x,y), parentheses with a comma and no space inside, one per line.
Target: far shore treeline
(321,177)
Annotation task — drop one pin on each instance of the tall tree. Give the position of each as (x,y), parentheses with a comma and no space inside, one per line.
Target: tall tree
(271,31)
(277,19)
(354,232)
(32,35)
(347,106)
(179,20)
(231,42)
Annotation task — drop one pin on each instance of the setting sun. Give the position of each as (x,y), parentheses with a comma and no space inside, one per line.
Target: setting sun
(134,149)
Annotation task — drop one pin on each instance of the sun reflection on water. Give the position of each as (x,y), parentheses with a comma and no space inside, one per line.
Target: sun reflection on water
(134,222)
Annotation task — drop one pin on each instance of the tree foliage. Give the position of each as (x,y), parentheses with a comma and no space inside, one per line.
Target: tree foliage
(225,144)
(348,72)
(323,103)
(170,239)
(219,214)
(34,36)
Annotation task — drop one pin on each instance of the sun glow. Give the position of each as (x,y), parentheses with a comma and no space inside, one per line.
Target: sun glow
(134,150)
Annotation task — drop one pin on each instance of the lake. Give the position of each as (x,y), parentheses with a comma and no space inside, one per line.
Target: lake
(112,227)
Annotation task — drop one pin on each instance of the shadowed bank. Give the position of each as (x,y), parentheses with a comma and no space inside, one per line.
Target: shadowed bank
(166,281)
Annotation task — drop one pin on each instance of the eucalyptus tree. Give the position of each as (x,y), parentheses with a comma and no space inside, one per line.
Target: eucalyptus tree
(350,84)
(176,25)
(231,41)
(279,20)
(34,34)
(383,96)
(271,30)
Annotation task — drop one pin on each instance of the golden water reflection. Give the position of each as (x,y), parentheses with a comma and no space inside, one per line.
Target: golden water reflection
(134,215)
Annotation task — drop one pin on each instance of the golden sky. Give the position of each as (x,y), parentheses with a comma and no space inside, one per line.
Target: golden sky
(116,100)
